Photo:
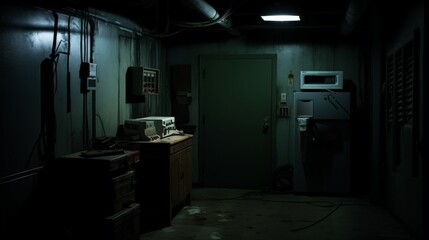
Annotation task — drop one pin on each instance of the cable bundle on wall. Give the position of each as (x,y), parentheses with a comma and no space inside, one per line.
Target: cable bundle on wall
(86,47)
(48,119)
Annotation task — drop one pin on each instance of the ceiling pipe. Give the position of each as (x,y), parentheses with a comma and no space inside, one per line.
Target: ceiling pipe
(353,15)
(208,12)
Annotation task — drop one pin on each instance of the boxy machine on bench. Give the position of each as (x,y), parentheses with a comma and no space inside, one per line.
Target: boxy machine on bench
(322,134)
(150,128)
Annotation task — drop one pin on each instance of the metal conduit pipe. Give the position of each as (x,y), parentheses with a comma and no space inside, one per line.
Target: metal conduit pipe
(354,12)
(208,12)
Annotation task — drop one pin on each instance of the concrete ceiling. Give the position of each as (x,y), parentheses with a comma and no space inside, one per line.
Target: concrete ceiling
(195,18)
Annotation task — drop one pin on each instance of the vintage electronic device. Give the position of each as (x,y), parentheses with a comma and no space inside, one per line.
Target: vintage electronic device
(165,125)
(142,128)
(321,80)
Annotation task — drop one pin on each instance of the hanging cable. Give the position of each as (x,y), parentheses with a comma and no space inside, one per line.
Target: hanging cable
(68,67)
(47,134)
(83,72)
(331,98)
(91,60)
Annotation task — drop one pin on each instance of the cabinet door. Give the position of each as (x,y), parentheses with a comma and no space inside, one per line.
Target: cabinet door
(181,176)
(175,185)
(186,171)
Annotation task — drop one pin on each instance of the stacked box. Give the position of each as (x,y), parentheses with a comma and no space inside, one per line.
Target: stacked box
(123,191)
(123,225)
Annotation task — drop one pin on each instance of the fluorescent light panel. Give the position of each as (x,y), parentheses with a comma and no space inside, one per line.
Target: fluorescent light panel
(281,18)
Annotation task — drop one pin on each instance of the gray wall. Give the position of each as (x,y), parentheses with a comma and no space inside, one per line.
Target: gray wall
(27,39)
(403,190)
(363,64)
(295,56)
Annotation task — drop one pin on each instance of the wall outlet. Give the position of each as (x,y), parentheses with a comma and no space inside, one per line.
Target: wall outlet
(284,111)
(283,97)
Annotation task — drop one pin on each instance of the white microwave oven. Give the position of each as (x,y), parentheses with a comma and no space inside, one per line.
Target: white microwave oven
(321,80)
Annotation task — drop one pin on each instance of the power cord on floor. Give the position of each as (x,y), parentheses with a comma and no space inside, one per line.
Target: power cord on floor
(318,221)
(201,197)
(259,196)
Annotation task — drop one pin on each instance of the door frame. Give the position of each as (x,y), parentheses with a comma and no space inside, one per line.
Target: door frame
(273,110)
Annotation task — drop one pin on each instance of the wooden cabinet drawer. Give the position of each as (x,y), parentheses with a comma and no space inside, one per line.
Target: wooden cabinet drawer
(181,145)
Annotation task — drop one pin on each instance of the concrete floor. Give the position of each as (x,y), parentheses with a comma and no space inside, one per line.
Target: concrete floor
(234,214)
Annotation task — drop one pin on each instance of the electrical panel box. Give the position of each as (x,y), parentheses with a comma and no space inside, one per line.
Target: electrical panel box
(88,76)
(92,78)
(141,81)
(150,81)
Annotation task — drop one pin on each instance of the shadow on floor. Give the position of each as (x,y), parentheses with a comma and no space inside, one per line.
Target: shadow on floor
(217,213)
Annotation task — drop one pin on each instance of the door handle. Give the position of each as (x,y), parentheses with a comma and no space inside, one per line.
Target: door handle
(265,128)
(266,125)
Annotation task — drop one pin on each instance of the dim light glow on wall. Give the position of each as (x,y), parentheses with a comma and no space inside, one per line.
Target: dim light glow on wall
(41,39)
(281,18)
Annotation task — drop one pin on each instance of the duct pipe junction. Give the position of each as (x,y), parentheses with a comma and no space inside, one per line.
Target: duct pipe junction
(354,13)
(208,12)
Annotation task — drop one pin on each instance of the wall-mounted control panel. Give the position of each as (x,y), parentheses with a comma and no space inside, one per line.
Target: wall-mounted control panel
(141,81)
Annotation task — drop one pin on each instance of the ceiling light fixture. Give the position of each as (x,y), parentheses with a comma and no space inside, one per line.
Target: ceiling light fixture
(281,18)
